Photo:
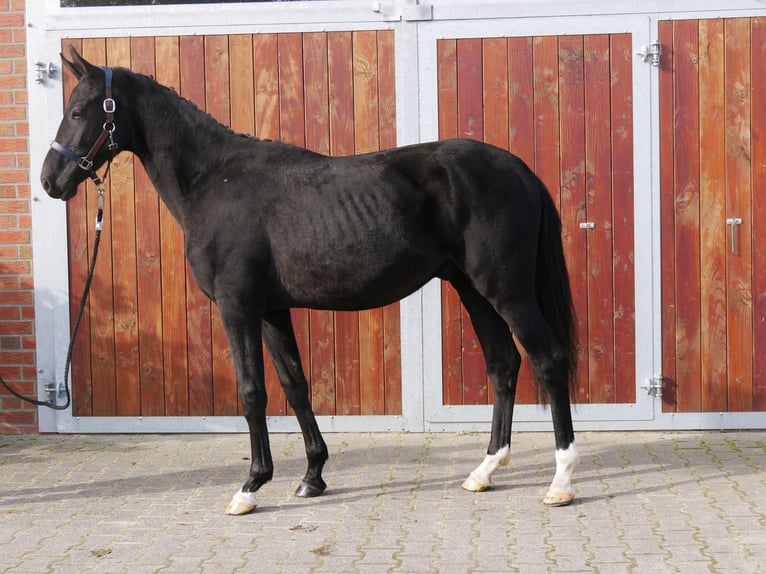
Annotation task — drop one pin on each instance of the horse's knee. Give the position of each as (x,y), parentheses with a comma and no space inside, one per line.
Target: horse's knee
(254,401)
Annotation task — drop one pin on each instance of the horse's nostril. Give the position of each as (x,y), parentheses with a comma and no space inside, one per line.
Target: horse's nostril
(46,184)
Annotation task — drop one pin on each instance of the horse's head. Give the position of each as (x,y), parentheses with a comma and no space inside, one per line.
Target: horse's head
(86,137)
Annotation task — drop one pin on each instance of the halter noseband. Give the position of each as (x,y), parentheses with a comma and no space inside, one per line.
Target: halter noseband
(86,162)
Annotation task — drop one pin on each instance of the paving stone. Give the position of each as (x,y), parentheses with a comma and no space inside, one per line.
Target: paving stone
(647,502)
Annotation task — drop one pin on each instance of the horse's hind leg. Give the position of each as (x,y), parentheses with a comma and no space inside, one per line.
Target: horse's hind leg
(279,337)
(503,362)
(550,362)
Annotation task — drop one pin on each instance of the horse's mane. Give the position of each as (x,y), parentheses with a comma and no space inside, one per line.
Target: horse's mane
(199,127)
(193,111)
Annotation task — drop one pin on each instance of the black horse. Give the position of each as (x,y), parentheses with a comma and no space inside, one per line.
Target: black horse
(270,226)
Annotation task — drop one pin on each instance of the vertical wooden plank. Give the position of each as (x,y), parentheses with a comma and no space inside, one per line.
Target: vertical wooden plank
(471,125)
(316,95)
(291,104)
(365,72)
(521,87)
(392,363)
(495,103)
(573,205)
(317,127)
(217,103)
(101,297)
(452,330)
(386,89)
(687,253)
(199,349)
(124,273)
(446,55)
(546,105)
(738,157)
(546,123)
(495,91)
(291,122)
(266,66)
(621,73)
(341,95)
(77,237)
(712,228)
(599,193)
(470,117)
(242,84)
(173,273)
(521,116)
(266,87)
(367,139)
(241,96)
(667,217)
(148,258)
(341,92)
(758,118)
(469,84)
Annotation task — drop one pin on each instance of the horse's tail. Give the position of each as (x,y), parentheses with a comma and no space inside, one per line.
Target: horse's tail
(554,294)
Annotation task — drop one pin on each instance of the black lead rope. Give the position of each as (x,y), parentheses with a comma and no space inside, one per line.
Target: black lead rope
(86,162)
(51,404)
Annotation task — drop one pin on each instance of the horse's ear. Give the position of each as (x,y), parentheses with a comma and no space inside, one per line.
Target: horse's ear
(79,66)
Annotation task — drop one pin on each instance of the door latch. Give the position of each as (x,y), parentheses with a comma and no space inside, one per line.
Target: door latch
(733,222)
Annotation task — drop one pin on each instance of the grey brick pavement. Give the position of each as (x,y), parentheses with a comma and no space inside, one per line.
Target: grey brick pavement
(647,502)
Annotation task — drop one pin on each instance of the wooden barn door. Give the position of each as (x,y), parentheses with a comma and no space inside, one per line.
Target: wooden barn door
(150,343)
(713,203)
(564,105)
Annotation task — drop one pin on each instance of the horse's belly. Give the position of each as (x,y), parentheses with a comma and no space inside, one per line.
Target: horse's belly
(369,283)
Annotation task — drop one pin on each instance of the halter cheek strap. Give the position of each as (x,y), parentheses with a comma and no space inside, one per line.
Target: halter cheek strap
(107,133)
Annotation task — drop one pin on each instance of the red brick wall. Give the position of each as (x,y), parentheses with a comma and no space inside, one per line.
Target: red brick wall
(17,336)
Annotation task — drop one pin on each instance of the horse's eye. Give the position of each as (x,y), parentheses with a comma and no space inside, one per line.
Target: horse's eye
(75,114)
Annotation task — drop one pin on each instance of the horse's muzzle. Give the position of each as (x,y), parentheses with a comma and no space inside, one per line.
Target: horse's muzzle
(56,193)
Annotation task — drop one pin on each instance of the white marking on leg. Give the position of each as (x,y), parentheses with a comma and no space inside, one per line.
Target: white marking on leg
(481,478)
(561,491)
(242,503)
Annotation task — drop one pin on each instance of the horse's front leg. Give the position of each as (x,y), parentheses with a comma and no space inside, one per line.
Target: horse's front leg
(280,340)
(243,330)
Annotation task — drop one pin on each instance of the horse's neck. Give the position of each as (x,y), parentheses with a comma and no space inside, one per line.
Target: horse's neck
(172,149)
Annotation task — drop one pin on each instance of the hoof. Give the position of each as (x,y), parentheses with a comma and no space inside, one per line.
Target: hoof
(558,498)
(306,490)
(472,484)
(242,503)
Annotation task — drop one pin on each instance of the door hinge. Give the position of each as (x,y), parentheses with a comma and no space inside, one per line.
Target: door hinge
(53,390)
(653,386)
(651,53)
(43,72)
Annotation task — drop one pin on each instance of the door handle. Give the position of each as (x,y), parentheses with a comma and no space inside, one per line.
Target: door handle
(733,222)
